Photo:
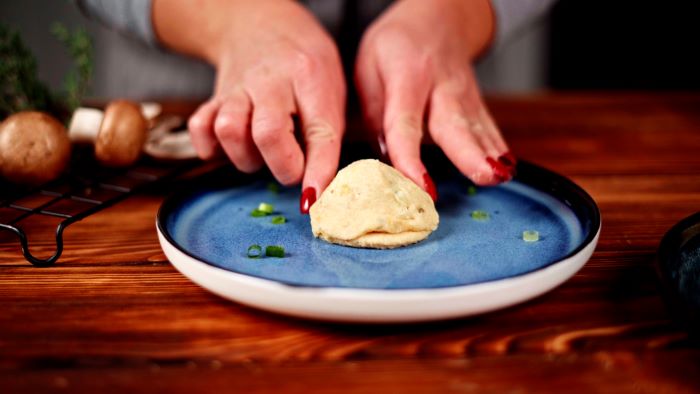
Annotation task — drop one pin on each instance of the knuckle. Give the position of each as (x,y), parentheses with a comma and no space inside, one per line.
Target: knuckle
(305,63)
(319,131)
(405,125)
(227,129)
(266,130)
(197,124)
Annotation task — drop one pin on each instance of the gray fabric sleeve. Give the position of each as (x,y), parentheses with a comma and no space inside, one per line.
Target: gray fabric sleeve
(513,15)
(132,17)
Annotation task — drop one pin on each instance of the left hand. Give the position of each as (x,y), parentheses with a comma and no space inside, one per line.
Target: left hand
(414,66)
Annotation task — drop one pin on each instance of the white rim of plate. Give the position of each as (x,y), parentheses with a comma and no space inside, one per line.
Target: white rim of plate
(376,305)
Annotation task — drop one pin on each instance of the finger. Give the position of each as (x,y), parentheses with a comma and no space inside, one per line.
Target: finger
(370,90)
(322,121)
(480,122)
(273,131)
(406,98)
(201,127)
(451,128)
(232,128)
(502,152)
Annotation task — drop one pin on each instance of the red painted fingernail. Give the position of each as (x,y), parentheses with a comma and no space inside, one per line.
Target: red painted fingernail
(429,186)
(308,198)
(501,172)
(508,159)
(381,142)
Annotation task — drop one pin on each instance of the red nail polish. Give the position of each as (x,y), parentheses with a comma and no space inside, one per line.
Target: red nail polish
(508,159)
(429,187)
(308,198)
(501,172)
(381,142)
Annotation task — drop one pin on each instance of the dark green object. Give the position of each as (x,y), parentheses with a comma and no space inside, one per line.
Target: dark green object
(480,215)
(531,236)
(256,213)
(265,207)
(471,190)
(279,220)
(79,46)
(254,251)
(274,251)
(20,88)
(273,187)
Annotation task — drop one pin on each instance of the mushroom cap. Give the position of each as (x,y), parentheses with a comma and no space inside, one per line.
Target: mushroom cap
(122,134)
(34,148)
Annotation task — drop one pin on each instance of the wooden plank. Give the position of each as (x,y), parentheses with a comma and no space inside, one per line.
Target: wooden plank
(114,314)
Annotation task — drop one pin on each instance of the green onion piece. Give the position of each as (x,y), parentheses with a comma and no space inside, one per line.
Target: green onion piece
(274,251)
(279,220)
(254,251)
(471,190)
(273,188)
(256,213)
(265,207)
(531,236)
(480,215)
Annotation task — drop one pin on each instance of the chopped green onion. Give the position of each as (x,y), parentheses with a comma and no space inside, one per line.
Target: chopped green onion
(274,251)
(480,215)
(279,219)
(265,207)
(254,251)
(471,190)
(531,236)
(256,213)
(273,187)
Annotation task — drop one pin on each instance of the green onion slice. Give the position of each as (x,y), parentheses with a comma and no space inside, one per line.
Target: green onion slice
(273,187)
(254,251)
(256,213)
(531,236)
(480,215)
(471,190)
(279,219)
(274,251)
(265,207)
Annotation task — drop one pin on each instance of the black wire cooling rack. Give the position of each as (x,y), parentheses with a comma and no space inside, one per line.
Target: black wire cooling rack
(85,189)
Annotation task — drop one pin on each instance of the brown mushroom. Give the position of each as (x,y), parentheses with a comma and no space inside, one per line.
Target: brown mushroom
(122,134)
(118,134)
(34,148)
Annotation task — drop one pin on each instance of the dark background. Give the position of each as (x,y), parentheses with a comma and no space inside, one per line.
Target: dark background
(581,44)
(597,44)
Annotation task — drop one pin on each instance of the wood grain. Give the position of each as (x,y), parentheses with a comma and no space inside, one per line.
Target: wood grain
(113,315)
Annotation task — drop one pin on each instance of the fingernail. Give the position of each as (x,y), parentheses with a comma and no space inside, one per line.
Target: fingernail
(308,198)
(429,187)
(508,159)
(501,172)
(381,142)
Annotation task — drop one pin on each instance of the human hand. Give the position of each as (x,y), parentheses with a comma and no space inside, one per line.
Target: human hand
(273,61)
(414,67)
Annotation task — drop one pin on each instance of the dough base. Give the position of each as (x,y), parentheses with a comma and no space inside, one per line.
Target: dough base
(380,240)
(371,205)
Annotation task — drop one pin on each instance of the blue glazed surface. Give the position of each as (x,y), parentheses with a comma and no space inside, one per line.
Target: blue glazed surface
(216,227)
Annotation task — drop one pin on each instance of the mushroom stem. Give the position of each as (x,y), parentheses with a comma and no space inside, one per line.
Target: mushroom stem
(85,125)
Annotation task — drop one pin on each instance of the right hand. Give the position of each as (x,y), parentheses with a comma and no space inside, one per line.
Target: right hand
(273,61)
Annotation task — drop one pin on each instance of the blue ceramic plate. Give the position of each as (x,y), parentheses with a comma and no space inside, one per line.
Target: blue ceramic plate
(206,234)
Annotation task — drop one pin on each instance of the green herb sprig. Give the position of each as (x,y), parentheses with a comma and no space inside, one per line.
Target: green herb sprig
(79,47)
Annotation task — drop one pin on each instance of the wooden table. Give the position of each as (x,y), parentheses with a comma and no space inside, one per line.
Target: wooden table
(114,315)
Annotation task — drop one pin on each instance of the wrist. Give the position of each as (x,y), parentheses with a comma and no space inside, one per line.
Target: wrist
(479,18)
(199,30)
